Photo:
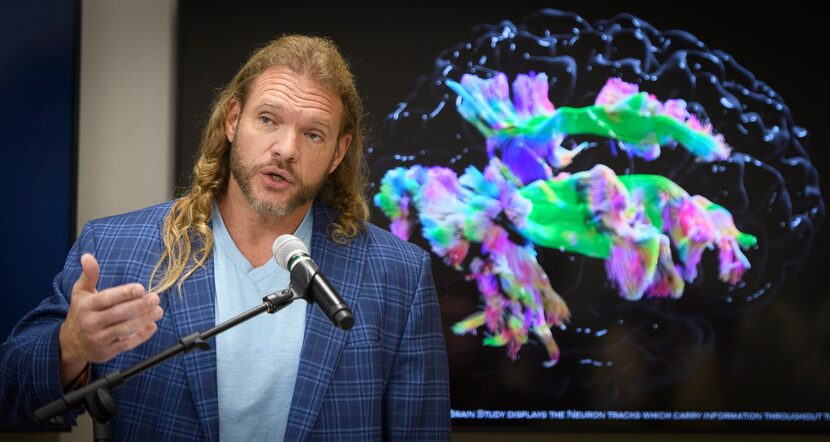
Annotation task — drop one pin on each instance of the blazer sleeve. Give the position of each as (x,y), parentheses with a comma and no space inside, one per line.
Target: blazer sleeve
(30,357)
(417,405)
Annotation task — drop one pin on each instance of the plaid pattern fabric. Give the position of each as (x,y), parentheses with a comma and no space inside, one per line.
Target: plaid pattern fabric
(386,379)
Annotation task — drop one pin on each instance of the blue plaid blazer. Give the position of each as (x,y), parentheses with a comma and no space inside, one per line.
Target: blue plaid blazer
(386,379)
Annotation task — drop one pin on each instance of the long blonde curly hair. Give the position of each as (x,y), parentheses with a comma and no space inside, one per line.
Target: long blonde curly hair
(187,235)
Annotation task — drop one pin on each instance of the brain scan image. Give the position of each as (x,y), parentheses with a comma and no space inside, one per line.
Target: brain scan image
(598,199)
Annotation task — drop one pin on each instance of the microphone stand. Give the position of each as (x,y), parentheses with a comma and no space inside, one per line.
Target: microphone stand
(96,396)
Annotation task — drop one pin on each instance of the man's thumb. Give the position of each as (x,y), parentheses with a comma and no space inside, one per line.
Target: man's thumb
(89,274)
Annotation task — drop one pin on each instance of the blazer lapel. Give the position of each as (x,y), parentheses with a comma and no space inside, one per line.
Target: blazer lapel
(323,342)
(193,311)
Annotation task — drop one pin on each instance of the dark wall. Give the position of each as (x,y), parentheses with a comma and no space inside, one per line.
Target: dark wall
(38,86)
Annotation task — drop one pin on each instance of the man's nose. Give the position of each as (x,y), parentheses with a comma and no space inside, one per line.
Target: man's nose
(285,145)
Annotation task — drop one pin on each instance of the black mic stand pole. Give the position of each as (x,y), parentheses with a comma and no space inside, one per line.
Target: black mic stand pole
(96,396)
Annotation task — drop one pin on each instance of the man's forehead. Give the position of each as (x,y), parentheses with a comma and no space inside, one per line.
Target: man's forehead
(277,86)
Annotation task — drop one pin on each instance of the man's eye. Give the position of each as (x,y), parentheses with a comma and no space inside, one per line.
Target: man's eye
(265,120)
(314,136)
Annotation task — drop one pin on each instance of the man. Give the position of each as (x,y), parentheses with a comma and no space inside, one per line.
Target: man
(282,153)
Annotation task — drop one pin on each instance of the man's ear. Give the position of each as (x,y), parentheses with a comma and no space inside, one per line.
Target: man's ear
(343,146)
(232,119)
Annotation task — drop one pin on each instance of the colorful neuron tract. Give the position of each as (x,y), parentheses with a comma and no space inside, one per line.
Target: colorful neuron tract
(637,224)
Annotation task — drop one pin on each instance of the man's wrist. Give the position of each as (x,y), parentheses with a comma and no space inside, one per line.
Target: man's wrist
(72,366)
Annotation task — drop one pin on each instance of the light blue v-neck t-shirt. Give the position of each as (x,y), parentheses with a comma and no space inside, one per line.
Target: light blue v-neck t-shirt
(257,360)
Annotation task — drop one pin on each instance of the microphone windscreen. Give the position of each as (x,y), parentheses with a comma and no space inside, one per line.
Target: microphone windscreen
(286,247)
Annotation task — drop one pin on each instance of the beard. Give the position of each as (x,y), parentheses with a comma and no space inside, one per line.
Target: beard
(305,192)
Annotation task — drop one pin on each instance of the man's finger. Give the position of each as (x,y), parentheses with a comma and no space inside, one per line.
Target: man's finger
(113,296)
(136,339)
(128,309)
(89,274)
(137,320)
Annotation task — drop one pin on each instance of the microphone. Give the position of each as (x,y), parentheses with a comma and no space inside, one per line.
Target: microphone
(292,255)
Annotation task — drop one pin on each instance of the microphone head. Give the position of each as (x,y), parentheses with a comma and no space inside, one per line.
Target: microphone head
(286,247)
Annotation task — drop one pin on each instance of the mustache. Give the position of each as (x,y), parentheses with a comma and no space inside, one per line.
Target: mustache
(278,163)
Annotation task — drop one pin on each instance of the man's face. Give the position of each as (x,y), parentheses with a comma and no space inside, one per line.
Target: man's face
(284,142)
